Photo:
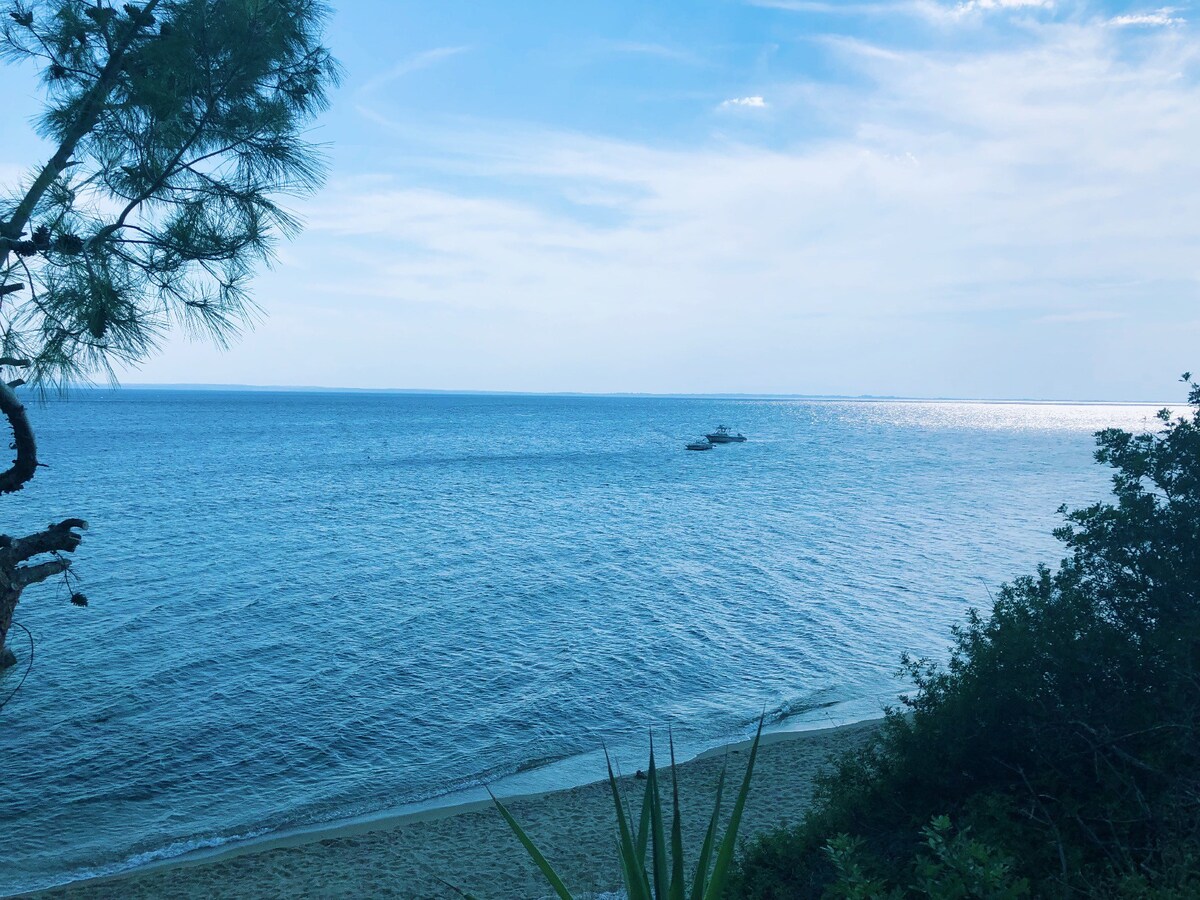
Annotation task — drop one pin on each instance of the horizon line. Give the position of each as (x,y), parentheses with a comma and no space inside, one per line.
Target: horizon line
(740,395)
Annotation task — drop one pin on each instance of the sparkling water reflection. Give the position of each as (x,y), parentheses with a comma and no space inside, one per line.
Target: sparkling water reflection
(309,606)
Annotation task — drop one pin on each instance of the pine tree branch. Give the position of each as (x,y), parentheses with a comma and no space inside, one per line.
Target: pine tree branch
(90,112)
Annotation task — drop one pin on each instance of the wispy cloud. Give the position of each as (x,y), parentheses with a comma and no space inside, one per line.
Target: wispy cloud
(935,10)
(1158,18)
(414,63)
(1056,185)
(743,103)
(826,8)
(661,51)
(968,6)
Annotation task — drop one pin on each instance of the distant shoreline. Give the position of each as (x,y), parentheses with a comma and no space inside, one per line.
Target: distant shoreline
(439,392)
(468,844)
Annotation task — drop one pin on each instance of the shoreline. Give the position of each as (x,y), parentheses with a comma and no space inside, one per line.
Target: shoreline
(467,843)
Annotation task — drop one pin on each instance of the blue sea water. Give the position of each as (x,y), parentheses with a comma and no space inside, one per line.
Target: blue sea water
(312,606)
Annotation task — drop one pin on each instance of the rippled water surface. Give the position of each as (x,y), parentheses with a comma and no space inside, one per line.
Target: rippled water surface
(308,606)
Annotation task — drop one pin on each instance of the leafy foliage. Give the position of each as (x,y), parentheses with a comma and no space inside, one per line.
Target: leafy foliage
(179,128)
(666,879)
(1062,732)
(948,867)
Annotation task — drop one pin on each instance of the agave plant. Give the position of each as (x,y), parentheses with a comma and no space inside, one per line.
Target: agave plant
(663,881)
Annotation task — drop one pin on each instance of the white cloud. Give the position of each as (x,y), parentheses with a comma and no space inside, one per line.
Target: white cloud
(935,10)
(969,6)
(826,8)
(932,10)
(1160,17)
(414,63)
(1056,183)
(744,102)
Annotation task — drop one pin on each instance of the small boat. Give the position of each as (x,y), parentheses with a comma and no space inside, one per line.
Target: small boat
(700,445)
(722,436)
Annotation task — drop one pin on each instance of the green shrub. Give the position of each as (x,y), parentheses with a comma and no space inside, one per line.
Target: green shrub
(951,866)
(1063,729)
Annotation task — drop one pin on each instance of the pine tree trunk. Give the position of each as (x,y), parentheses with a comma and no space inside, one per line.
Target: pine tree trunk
(8,603)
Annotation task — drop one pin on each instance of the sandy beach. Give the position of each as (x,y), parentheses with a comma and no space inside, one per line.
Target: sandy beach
(471,848)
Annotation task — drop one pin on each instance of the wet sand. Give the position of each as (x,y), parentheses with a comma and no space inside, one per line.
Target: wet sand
(470,847)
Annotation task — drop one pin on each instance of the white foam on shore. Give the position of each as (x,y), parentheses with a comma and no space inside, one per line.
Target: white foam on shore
(562,774)
(169,852)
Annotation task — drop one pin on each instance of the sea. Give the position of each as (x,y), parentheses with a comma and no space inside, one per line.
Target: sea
(307,608)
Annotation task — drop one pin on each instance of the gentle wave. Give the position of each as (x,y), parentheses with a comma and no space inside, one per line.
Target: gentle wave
(562,778)
(171,851)
(308,607)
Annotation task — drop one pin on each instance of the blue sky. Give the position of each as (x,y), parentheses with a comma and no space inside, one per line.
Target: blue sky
(996,198)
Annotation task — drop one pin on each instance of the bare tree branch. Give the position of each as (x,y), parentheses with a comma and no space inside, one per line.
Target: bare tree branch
(25,465)
(24,576)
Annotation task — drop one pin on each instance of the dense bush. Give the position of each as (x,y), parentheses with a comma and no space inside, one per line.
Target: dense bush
(1060,739)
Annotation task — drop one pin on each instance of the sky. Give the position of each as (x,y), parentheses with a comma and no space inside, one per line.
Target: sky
(926,198)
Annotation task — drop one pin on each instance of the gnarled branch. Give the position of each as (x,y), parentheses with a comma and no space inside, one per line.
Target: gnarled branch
(24,576)
(60,538)
(25,465)
(14,577)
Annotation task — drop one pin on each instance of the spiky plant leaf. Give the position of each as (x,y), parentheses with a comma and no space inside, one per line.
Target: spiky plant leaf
(700,880)
(532,850)
(675,891)
(720,873)
(658,843)
(636,884)
(643,835)
(632,847)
